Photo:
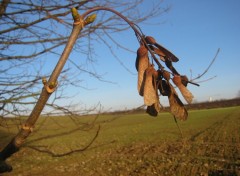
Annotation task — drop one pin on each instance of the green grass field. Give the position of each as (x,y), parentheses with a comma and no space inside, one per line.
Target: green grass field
(133,144)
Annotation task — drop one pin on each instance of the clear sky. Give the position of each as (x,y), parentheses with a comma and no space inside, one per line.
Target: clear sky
(193,31)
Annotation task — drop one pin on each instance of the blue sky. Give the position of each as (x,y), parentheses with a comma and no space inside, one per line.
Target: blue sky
(193,31)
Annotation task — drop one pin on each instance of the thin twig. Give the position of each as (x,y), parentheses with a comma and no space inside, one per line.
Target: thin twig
(215,57)
(178,126)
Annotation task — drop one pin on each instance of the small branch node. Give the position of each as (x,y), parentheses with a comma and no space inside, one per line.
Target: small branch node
(27,128)
(50,88)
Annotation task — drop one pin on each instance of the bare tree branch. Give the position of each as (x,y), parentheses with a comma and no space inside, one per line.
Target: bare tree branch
(209,66)
(25,42)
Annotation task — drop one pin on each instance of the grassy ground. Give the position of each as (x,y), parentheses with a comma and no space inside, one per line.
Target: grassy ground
(135,144)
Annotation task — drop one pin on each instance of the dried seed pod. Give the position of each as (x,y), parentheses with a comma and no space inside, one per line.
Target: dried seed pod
(166,53)
(166,75)
(171,67)
(150,92)
(157,105)
(164,88)
(155,108)
(184,80)
(169,55)
(158,52)
(150,40)
(151,110)
(185,92)
(142,63)
(176,106)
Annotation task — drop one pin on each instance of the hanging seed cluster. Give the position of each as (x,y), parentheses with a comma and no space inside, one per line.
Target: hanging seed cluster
(155,82)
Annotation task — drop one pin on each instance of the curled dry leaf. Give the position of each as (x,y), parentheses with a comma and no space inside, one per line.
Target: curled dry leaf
(142,63)
(176,106)
(185,92)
